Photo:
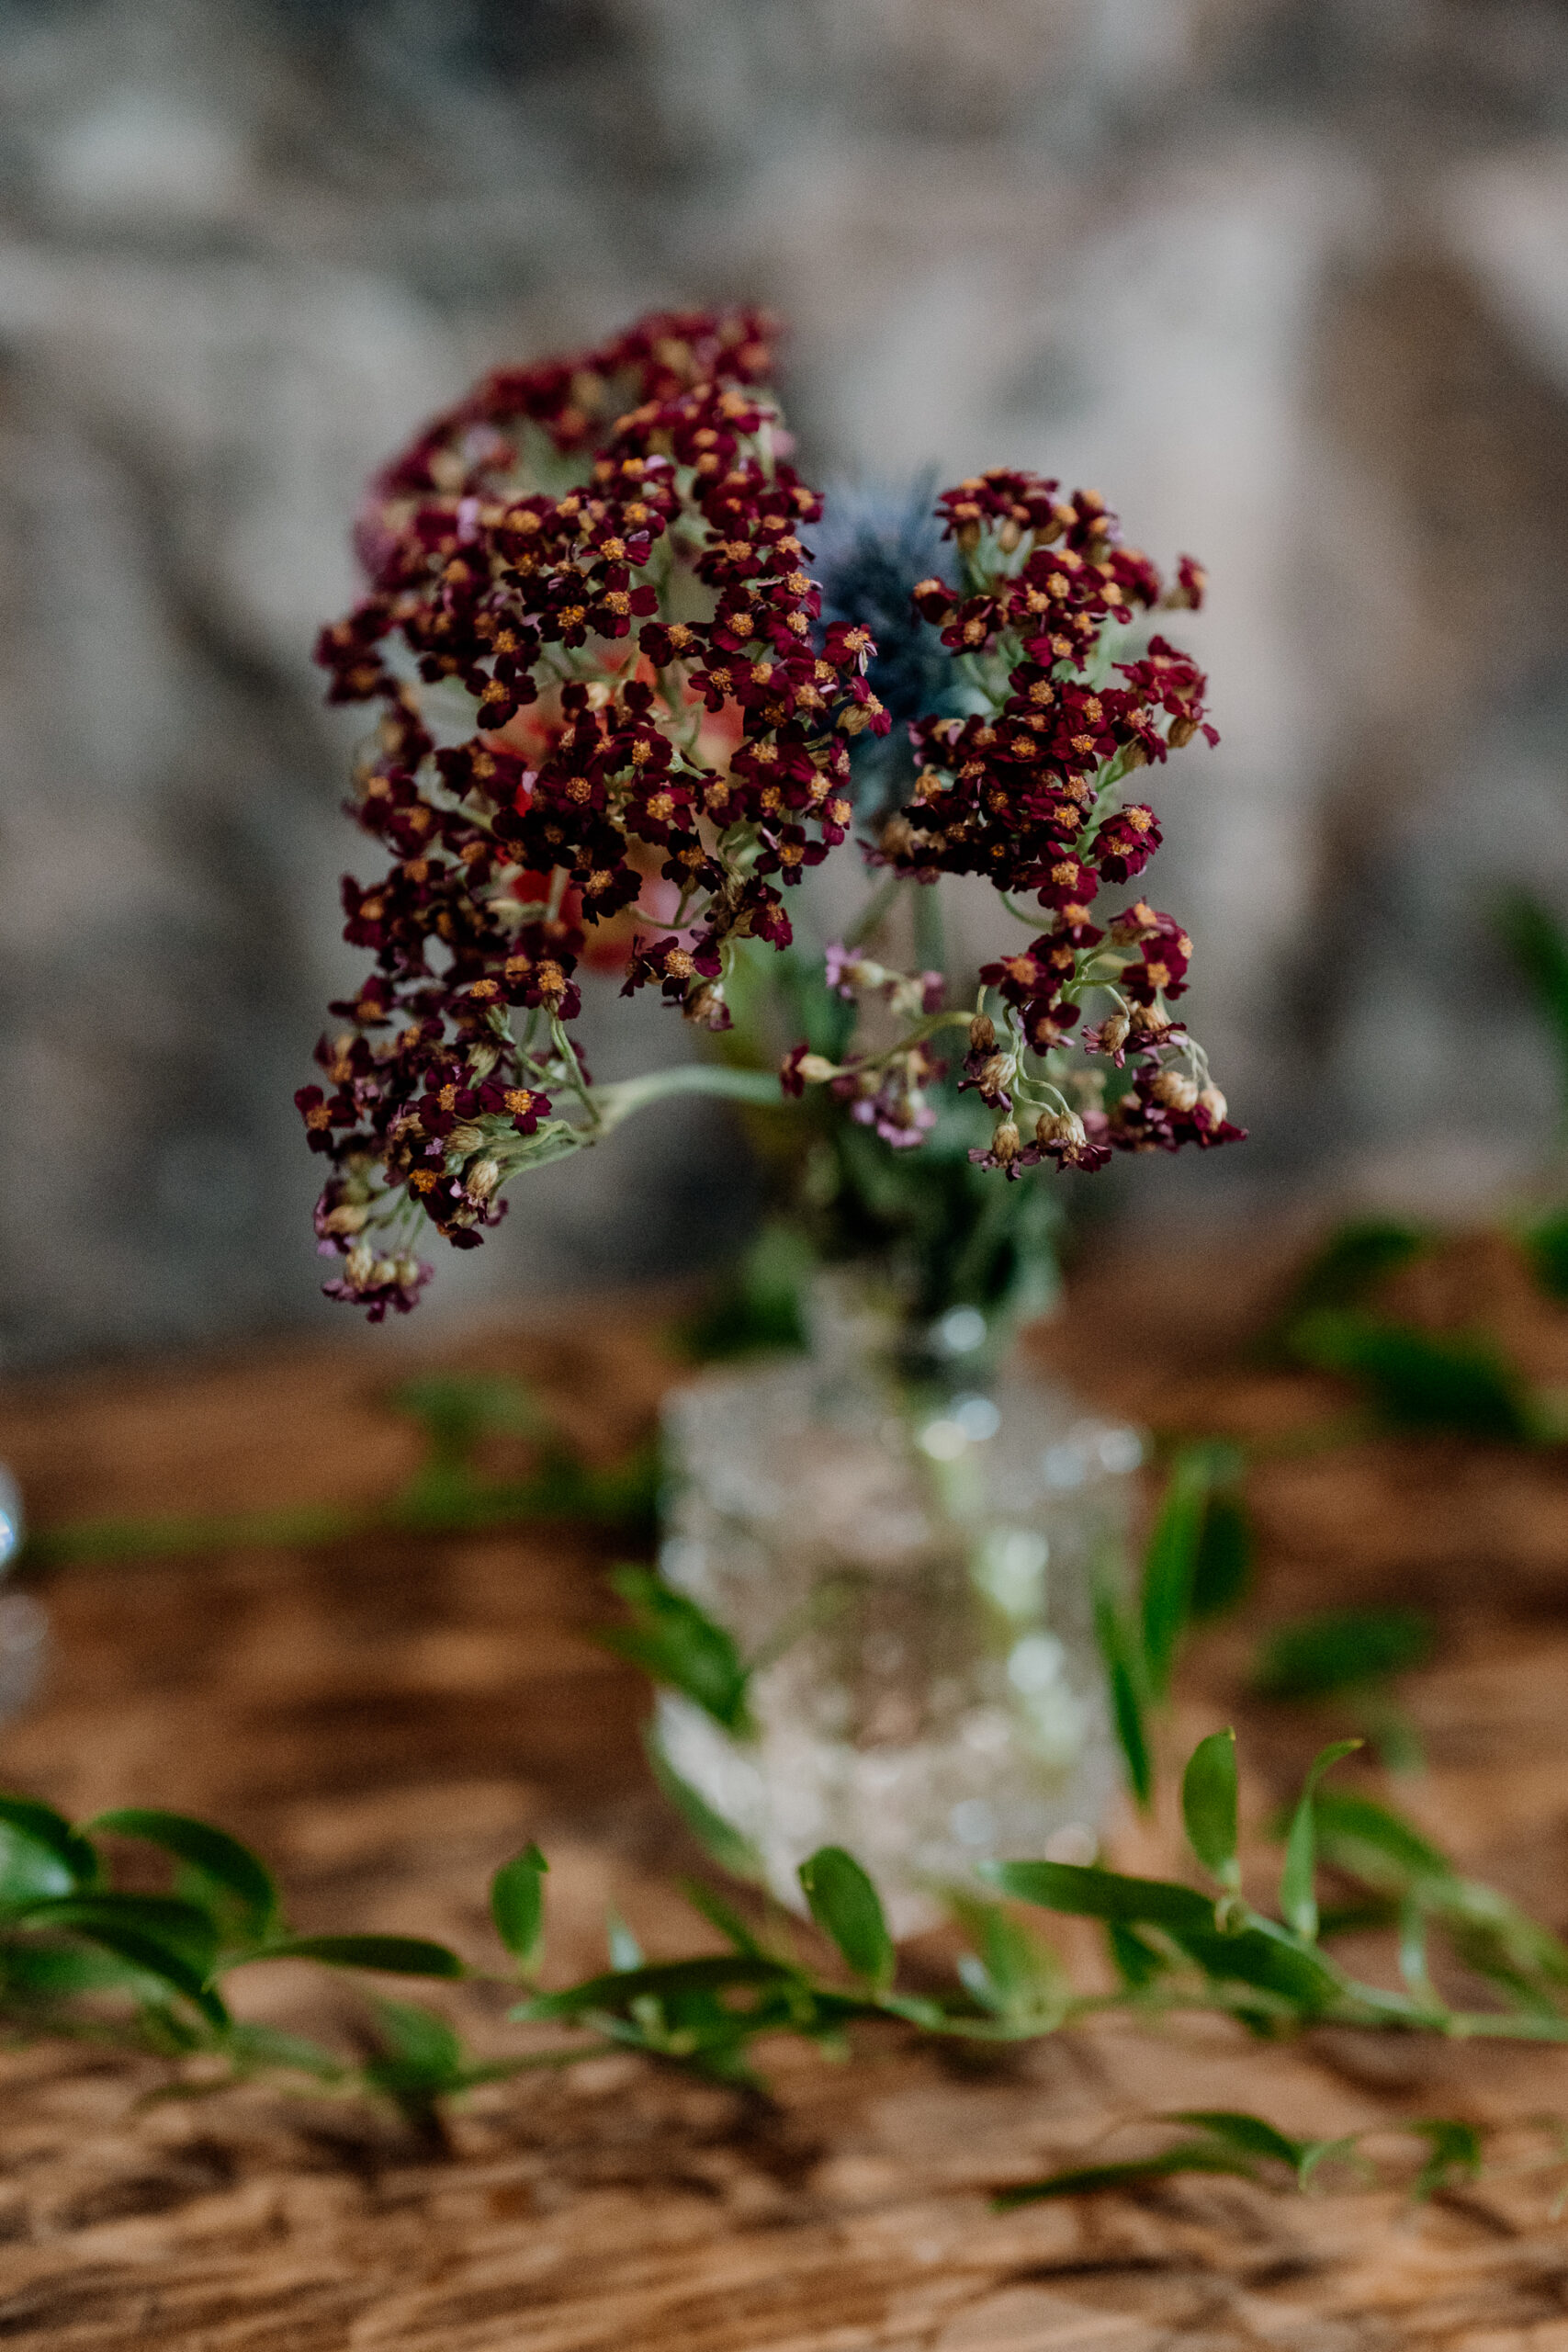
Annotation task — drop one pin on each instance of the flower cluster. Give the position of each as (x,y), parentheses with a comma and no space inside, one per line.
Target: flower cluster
(1027,788)
(614,728)
(606,707)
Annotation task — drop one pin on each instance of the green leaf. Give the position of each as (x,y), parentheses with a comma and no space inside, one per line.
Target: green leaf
(1456,2154)
(1087,1893)
(1298,1878)
(1135,1959)
(847,1907)
(517,1906)
(212,1855)
(1250,2135)
(660,1980)
(1017,1976)
(718,1838)
(1535,938)
(391,1955)
(762,1308)
(1354,1259)
(419,2051)
(158,1934)
(1170,1566)
(1545,1245)
(1222,1570)
(1208,1806)
(1369,1841)
(675,1643)
(718,1914)
(1340,1647)
(1267,1960)
(1123,1668)
(1188,2155)
(1419,1380)
(39,1852)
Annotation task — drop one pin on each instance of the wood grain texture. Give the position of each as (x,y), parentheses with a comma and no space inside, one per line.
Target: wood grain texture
(388,1719)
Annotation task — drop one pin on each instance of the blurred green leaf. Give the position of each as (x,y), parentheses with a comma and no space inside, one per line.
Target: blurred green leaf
(625,1953)
(1455,2154)
(517,1906)
(421,2053)
(1222,1569)
(1135,1959)
(217,1862)
(1267,1960)
(157,1934)
(847,1907)
(1340,1647)
(713,1907)
(1356,1257)
(1545,1245)
(1017,1976)
(39,1852)
(1369,1841)
(1208,2154)
(675,1643)
(1539,945)
(761,1307)
(391,1955)
(1124,1673)
(1250,2135)
(1418,1380)
(1171,1564)
(1298,1878)
(713,1972)
(1087,1893)
(1208,1806)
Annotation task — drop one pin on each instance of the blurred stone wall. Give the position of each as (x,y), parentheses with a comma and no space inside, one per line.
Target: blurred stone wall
(1287,279)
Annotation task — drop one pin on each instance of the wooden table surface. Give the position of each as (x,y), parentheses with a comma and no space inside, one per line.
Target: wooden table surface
(387,1718)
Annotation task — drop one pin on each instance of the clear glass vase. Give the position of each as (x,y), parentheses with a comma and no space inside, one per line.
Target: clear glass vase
(907,1544)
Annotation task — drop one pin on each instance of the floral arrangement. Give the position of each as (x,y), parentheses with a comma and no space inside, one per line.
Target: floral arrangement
(620,721)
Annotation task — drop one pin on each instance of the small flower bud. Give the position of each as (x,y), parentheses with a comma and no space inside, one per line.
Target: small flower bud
(481,1179)
(1215,1103)
(1181,732)
(982,1034)
(1175,1090)
(1008,536)
(815,1069)
(968,537)
(345,1218)
(995,1072)
(463,1140)
(1005,1143)
(897,837)
(1114,1033)
(359,1266)
(1060,1127)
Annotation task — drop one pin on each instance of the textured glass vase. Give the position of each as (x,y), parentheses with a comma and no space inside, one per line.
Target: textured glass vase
(910,1562)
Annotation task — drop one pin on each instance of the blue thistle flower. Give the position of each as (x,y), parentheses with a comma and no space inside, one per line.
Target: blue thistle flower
(873,544)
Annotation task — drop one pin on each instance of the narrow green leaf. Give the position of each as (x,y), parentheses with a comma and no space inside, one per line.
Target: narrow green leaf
(718,1914)
(1135,1959)
(1340,1647)
(417,2047)
(1208,1806)
(847,1907)
(1351,1262)
(660,1980)
(517,1906)
(1250,2135)
(165,1937)
(674,1642)
(1089,1893)
(391,1955)
(1123,1671)
(1222,1570)
(1456,2154)
(1266,1963)
(1369,1841)
(211,1853)
(1298,1880)
(1545,1245)
(1170,1566)
(33,1836)
(1420,1380)
(1015,1974)
(1188,2155)
(718,1838)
